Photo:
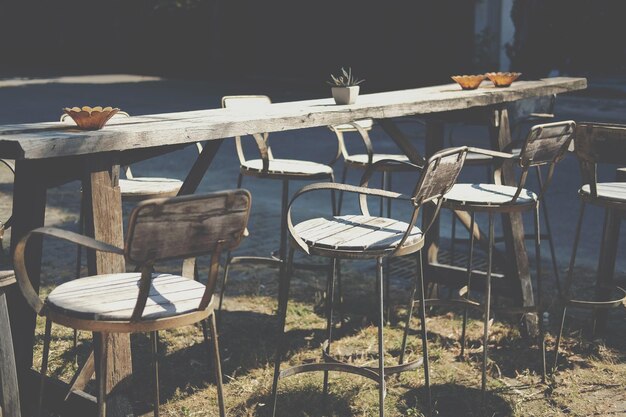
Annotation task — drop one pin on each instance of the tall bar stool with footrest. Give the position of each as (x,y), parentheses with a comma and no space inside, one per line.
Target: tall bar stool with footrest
(385,163)
(364,236)
(595,144)
(546,144)
(145,301)
(269,167)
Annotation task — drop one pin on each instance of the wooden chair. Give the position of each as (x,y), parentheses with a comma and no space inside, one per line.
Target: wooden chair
(364,236)
(385,163)
(546,144)
(9,391)
(132,189)
(524,113)
(159,229)
(596,144)
(269,167)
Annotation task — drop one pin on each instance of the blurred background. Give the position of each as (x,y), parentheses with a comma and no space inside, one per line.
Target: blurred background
(392,44)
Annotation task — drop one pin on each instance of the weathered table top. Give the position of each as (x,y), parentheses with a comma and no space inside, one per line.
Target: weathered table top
(51,140)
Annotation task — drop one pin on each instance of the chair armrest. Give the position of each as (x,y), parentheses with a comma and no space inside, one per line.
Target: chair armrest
(4,226)
(362,191)
(341,146)
(489,152)
(21,274)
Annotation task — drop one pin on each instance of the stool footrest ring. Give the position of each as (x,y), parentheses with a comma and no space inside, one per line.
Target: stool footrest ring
(617,302)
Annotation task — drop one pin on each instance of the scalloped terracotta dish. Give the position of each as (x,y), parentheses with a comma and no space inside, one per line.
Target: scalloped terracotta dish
(469,82)
(503,79)
(91,118)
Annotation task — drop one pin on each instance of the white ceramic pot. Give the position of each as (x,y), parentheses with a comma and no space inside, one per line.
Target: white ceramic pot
(345,95)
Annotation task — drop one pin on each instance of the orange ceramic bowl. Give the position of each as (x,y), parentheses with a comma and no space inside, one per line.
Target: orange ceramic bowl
(469,82)
(90,118)
(503,79)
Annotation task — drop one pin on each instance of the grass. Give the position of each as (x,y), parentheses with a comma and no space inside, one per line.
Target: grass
(589,381)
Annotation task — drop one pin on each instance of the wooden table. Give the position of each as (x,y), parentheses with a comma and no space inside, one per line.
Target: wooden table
(49,154)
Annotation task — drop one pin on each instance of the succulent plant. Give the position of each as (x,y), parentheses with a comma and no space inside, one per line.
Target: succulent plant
(345,79)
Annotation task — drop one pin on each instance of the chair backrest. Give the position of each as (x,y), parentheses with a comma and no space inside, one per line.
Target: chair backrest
(547,143)
(188,226)
(245,101)
(250,102)
(599,143)
(439,174)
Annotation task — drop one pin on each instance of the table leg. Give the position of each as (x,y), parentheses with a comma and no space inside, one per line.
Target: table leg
(105,223)
(517,267)
(606,266)
(9,392)
(29,204)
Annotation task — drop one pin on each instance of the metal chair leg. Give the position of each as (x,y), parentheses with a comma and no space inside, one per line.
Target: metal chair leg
(568,283)
(383,182)
(470,260)
(44,364)
(422,312)
(344,175)
(154,350)
(282,251)
(333,197)
(229,258)
(330,291)
(487,310)
(388,187)
(558,339)
(546,218)
(407,326)
(542,340)
(283,297)
(381,346)
(100,355)
(217,365)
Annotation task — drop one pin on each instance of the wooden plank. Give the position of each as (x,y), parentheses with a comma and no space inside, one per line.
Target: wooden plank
(9,392)
(517,267)
(36,141)
(104,222)
(29,202)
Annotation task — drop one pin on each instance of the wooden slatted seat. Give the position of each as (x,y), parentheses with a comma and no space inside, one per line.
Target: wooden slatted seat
(609,191)
(112,297)
(159,230)
(362,234)
(288,168)
(490,195)
(363,160)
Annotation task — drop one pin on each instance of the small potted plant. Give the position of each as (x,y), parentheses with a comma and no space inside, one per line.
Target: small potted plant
(345,87)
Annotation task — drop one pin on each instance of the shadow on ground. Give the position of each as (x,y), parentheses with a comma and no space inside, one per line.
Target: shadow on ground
(451,400)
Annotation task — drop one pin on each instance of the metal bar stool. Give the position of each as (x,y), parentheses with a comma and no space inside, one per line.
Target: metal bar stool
(385,163)
(364,237)
(595,144)
(542,112)
(268,167)
(546,144)
(145,301)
